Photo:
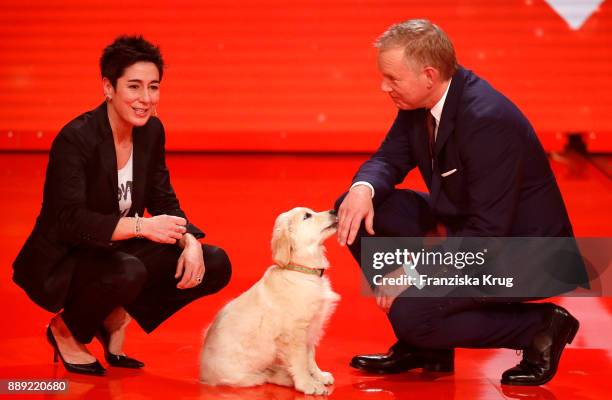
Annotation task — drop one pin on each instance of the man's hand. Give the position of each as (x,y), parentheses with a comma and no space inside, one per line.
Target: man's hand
(384,302)
(386,294)
(356,206)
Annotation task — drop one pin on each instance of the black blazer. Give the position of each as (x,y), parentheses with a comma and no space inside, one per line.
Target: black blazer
(80,207)
(502,184)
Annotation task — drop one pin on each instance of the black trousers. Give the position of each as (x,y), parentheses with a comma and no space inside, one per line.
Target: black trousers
(444,323)
(139,276)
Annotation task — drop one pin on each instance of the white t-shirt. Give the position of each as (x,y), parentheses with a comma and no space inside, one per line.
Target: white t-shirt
(124,191)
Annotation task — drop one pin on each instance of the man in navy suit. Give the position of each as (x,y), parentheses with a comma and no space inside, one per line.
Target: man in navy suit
(487,176)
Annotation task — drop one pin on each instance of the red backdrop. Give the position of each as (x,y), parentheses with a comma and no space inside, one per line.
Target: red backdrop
(295,75)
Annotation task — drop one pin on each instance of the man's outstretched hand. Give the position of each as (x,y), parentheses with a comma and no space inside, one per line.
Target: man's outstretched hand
(356,206)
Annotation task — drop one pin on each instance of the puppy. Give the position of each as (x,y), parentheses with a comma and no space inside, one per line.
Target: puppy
(269,333)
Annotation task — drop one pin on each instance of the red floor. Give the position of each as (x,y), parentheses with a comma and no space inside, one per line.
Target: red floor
(235,200)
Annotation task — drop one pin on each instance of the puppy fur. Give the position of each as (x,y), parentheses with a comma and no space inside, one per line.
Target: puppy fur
(269,333)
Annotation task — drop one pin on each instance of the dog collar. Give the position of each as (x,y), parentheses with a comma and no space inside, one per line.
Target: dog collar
(304,269)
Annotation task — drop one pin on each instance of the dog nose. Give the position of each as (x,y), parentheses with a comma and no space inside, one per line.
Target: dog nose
(332,212)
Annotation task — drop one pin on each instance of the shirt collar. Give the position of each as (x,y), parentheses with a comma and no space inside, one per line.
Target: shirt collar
(436,110)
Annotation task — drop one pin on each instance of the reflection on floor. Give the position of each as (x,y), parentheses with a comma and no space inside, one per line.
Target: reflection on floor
(235,199)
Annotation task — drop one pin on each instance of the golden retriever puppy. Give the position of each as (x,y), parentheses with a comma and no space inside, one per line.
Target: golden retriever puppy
(269,333)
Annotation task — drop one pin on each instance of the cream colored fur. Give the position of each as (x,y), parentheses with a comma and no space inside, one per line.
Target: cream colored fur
(269,333)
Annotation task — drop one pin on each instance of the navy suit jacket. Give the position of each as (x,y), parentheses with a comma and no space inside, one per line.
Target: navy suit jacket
(80,207)
(503,184)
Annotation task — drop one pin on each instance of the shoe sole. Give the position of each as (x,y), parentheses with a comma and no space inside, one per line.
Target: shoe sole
(426,368)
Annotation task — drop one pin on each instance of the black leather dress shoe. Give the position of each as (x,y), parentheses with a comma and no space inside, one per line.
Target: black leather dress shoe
(402,358)
(113,359)
(541,359)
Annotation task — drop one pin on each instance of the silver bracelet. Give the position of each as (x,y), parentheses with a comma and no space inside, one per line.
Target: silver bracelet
(138,227)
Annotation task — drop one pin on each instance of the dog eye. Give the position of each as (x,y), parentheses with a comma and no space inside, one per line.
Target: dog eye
(307,215)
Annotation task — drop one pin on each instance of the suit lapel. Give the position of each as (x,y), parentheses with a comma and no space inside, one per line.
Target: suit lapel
(141,158)
(108,156)
(447,126)
(449,111)
(108,161)
(436,183)
(422,148)
(109,166)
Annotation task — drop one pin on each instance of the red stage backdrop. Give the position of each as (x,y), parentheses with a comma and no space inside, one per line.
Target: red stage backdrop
(298,75)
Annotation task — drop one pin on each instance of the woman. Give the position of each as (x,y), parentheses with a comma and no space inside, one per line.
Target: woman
(90,252)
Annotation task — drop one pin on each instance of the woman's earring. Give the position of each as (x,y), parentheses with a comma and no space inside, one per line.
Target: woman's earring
(109,97)
(155,111)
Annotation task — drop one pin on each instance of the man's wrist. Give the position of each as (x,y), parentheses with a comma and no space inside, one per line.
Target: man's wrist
(366,184)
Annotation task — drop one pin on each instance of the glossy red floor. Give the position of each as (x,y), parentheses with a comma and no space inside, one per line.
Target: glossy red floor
(235,200)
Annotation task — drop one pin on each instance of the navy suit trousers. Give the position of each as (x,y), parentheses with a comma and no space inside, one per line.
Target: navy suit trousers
(444,323)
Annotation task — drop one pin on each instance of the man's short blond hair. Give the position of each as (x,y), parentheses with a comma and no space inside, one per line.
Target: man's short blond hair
(423,42)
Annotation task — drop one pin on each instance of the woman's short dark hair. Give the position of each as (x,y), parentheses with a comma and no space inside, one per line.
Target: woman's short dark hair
(125,51)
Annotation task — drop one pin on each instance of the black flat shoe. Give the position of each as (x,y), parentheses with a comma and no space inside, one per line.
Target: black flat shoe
(94,368)
(402,358)
(113,359)
(541,359)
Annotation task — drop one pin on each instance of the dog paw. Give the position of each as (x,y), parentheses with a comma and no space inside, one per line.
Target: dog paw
(311,387)
(325,378)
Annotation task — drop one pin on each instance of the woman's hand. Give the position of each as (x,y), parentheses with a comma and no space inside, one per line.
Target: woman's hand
(163,228)
(190,264)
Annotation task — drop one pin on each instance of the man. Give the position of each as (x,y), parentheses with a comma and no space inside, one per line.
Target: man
(487,176)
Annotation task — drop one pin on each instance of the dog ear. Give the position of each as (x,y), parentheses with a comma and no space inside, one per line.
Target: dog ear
(281,242)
